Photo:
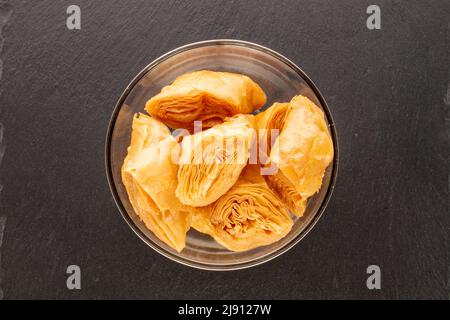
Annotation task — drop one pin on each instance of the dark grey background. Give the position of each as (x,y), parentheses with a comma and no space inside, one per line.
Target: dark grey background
(387,89)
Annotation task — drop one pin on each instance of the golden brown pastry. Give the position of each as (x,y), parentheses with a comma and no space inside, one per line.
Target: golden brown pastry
(249,215)
(269,124)
(212,160)
(207,96)
(302,151)
(150,178)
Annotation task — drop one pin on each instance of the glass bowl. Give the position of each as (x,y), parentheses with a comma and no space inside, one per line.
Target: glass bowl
(280,78)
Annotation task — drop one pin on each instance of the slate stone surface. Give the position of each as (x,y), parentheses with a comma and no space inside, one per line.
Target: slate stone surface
(389,93)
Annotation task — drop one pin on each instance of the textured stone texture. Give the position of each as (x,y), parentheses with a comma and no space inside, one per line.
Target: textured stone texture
(387,90)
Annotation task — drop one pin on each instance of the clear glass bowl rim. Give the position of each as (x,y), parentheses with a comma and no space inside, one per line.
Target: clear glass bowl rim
(173,256)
